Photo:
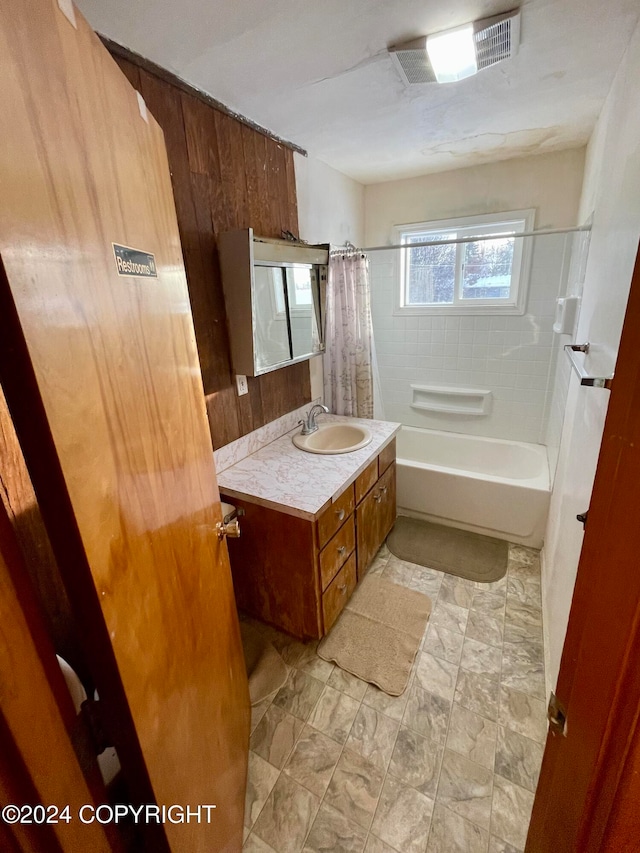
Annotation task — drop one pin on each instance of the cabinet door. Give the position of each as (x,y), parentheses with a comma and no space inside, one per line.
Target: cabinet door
(366,533)
(375,517)
(387,504)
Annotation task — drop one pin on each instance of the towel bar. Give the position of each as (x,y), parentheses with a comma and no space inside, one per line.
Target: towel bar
(585,378)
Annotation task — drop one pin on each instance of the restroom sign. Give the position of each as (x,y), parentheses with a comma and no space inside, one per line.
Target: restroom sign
(134,262)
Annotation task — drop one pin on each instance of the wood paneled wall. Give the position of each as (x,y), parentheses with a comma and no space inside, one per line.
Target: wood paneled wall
(225,175)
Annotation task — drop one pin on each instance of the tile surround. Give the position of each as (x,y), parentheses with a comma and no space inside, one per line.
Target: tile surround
(448,767)
(514,356)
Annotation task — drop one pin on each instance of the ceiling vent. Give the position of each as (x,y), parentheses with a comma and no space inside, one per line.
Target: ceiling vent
(412,62)
(495,39)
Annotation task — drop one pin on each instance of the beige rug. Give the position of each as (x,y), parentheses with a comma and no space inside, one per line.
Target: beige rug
(457,552)
(378,633)
(266,670)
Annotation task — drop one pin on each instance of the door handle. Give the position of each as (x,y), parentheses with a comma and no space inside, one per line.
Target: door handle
(582,518)
(231,529)
(557,716)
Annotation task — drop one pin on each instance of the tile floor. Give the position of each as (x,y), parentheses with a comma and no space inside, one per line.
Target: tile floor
(450,766)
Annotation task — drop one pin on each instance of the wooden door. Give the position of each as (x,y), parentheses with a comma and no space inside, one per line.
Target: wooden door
(589,788)
(37,721)
(101,376)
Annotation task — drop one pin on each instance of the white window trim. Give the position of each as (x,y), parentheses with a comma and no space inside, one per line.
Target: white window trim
(522,266)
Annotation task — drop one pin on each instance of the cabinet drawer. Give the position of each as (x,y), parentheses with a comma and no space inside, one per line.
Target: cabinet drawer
(366,480)
(386,457)
(336,551)
(334,516)
(338,593)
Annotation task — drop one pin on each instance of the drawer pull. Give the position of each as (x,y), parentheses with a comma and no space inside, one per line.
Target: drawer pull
(342,587)
(341,514)
(342,549)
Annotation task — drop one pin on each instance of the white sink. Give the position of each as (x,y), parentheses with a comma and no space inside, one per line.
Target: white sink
(334,438)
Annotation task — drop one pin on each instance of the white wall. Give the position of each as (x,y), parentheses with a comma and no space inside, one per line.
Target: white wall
(612,191)
(330,210)
(549,182)
(330,205)
(512,356)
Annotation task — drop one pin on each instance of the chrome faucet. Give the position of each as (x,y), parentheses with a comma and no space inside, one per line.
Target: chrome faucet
(309,424)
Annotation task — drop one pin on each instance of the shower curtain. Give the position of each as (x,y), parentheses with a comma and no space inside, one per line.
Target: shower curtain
(349,360)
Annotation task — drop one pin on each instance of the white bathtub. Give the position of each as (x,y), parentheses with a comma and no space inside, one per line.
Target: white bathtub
(487,485)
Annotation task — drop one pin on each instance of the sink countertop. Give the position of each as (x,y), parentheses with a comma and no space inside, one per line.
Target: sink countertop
(283,477)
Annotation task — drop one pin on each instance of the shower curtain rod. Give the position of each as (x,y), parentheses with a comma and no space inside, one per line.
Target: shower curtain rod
(540,233)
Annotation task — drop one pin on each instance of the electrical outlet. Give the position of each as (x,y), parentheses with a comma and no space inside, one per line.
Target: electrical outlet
(241,384)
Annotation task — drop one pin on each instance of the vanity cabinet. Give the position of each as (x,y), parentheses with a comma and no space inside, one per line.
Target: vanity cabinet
(298,573)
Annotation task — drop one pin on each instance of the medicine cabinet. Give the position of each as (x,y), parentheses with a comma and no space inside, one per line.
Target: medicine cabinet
(274,293)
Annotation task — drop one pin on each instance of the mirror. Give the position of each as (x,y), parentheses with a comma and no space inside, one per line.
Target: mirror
(302,300)
(274,294)
(286,323)
(270,328)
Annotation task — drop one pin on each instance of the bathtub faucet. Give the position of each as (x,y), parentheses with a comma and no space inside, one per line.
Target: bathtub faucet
(309,424)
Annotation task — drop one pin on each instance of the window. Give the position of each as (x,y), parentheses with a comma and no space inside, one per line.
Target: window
(485,276)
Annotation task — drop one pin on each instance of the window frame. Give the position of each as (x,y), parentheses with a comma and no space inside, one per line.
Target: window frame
(475,225)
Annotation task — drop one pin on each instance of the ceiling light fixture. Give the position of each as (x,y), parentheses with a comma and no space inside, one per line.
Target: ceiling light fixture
(454,54)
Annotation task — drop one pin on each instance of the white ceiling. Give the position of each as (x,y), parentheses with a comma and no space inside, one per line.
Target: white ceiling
(317,72)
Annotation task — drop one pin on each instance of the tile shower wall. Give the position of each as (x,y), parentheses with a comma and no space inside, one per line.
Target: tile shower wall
(512,356)
(561,367)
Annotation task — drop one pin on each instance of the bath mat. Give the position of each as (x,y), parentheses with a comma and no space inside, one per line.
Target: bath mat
(378,633)
(266,670)
(457,552)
